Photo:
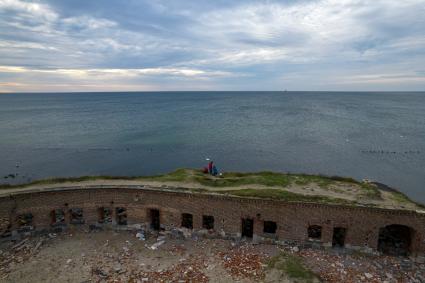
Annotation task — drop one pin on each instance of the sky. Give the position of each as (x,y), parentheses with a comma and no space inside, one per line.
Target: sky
(136,45)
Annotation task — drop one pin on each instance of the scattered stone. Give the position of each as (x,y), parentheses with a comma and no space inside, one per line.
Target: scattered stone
(156,245)
(101,273)
(140,236)
(117,267)
(52,235)
(368,275)
(420,259)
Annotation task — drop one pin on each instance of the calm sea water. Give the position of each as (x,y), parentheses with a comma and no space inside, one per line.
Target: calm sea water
(379,136)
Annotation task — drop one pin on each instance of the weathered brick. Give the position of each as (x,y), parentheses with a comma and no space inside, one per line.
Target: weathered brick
(293,219)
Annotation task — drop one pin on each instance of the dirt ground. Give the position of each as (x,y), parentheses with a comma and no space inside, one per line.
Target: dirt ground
(79,255)
(118,256)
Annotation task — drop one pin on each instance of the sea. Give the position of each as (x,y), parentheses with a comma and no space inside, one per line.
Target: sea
(378,136)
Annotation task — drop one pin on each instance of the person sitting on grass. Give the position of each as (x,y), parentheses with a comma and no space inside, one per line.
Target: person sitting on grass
(214,171)
(210,167)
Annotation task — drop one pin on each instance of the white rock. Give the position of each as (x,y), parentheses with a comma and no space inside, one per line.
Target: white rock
(156,245)
(140,236)
(368,275)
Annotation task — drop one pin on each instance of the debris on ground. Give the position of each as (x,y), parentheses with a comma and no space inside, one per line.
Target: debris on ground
(341,266)
(174,256)
(243,261)
(156,245)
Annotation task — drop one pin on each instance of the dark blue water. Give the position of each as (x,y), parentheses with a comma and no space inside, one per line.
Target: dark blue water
(380,136)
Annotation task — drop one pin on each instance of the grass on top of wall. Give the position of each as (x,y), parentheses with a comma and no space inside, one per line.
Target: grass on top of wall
(59,180)
(236,179)
(279,194)
(230,179)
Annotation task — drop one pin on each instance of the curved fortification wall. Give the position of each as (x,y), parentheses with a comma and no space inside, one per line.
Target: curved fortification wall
(364,228)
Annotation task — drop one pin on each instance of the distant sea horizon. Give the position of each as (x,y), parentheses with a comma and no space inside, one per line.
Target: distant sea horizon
(361,134)
(222,91)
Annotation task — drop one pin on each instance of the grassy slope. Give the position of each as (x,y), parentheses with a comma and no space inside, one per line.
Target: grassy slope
(233,179)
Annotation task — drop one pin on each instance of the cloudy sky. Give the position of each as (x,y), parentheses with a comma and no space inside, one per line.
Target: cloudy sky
(109,45)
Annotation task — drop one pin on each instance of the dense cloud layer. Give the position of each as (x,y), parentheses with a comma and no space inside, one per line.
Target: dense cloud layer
(212,45)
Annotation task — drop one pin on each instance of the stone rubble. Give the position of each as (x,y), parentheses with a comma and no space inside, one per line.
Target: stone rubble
(19,252)
(341,266)
(241,260)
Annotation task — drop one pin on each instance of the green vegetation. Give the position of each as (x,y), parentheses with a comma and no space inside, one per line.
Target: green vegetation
(285,195)
(292,266)
(180,175)
(399,197)
(231,179)
(238,179)
(264,184)
(64,180)
(371,191)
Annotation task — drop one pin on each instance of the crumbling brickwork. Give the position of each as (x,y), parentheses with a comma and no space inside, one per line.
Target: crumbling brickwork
(362,225)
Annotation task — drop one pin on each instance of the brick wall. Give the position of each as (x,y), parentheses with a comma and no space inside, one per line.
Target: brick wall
(292,219)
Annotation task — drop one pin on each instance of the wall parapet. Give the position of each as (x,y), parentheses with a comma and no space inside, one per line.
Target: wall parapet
(184,191)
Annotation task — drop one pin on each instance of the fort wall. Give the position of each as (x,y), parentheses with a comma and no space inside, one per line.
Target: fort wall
(289,221)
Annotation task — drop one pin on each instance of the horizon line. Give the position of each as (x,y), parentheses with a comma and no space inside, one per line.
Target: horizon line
(170,91)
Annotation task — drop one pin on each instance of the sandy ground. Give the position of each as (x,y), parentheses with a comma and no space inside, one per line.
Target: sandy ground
(350,192)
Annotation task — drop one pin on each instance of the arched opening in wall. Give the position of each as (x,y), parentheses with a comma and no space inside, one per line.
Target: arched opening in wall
(104,215)
(76,216)
(247,227)
(269,227)
(25,221)
(58,217)
(395,240)
(155,219)
(121,215)
(187,220)
(208,222)
(314,232)
(338,238)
